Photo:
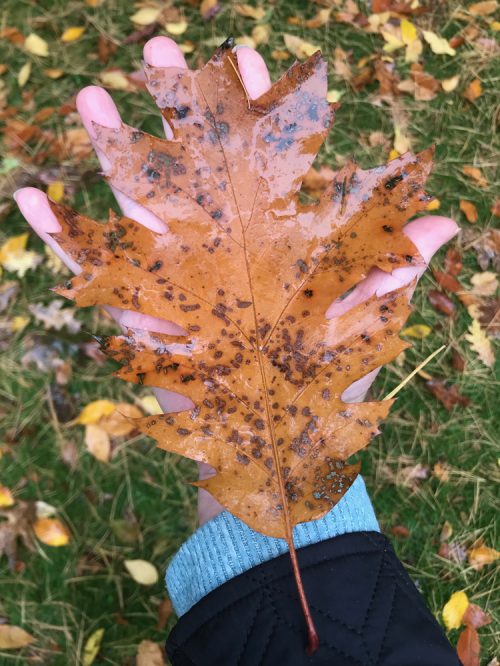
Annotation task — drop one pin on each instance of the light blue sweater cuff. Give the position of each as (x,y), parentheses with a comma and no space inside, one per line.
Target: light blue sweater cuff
(225,547)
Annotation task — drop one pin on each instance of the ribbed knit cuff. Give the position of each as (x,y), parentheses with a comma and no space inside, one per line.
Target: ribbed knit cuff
(225,547)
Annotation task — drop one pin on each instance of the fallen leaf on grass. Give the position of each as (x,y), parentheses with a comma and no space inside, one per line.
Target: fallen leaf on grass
(55,191)
(13,638)
(149,654)
(484,284)
(126,531)
(476,617)
(146,15)
(24,74)
(439,45)
(164,613)
(400,531)
(417,331)
(54,316)
(98,443)
(449,396)
(481,555)
(446,281)
(8,291)
(14,256)
(321,18)
(299,47)
(473,91)
(51,531)
(116,79)
(449,85)
(118,424)
(475,174)
(469,210)
(441,471)
(453,261)
(457,361)
(468,647)
(480,343)
(441,302)
(6,497)
(92,647)
(454,609)
(94,411)
(36,45)
(72,34)
(209,9)
(142,572)
(453,551)
(249,11)
(150,405)
(484,8)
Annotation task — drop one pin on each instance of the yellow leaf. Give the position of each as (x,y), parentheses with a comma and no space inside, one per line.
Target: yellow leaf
(94,411)
(178,28)
(51,531)
(485,283)
(97,442)
(481,556)
(413,51)
(408,31)
(298,47)
(15,258)
(6,497)
(13,638)
(36,45)
(418,331)
(118,423)
(19,323)
(115,79)
(187,47)
(55,191)
(94,3)
(476,174)
(480,343)
(333,96)
(256,13)
(393,154)
(146,15)
(449,85)
(53,72)
(454,610)
(495,25)
(435,204)
(261,33)
(24,74)
(401,141)
(142,572)
(92,647)
(150,405)
(245,40)
(72,34)
(393,42)
(53,263)
(439,45)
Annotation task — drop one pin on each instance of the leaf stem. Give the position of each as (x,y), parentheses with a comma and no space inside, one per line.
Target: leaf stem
(312,635)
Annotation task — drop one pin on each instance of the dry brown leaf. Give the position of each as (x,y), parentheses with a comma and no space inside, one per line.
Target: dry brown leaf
(468,647)
(476,617)
(321,18)
(98,443)
(473,91)
(469,210)
(476,174)
(480,343)
(249,11)
(448,396)
(149,654)
(13,638)
(484,8)
(263,365)
(481,555)
(299,47)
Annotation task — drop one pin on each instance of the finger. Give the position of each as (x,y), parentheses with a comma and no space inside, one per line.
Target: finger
(95,105)
(428,234)
(253,70)
(164,52)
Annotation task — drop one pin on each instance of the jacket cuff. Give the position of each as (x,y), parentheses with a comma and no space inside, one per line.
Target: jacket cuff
(225,547)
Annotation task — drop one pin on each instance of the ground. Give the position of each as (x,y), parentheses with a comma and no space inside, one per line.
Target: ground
(62,595)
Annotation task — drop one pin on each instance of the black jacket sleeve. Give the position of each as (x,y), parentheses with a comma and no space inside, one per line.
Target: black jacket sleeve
(366,610)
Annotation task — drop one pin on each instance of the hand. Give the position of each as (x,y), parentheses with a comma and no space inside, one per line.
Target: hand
(95,105)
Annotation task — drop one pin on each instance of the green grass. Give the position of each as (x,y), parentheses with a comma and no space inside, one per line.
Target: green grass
(64,594)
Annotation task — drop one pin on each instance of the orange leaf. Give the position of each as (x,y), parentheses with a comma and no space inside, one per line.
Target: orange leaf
(468,647)
(469,210)
(482,555)
(255,271)
(473,90)
(476,174)
(51,531)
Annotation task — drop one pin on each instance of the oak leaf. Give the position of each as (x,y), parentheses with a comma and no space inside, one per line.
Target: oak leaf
(248,272)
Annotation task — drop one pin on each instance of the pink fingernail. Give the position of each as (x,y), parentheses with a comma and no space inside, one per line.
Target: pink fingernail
(96,105)
(163,52)
(34,205)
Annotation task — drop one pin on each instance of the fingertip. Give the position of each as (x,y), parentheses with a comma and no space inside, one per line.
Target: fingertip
(35,207)
(95,105)
(162,51)
(253,70)
(430,232)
